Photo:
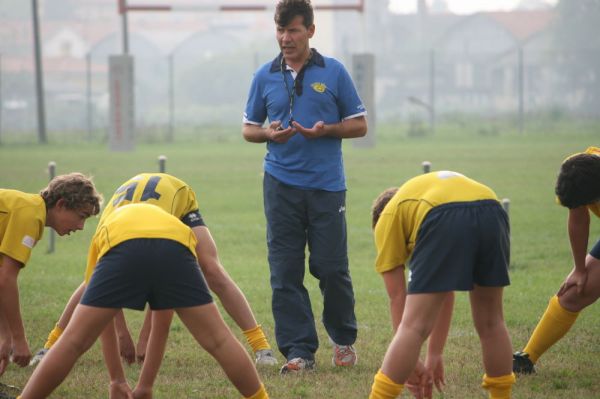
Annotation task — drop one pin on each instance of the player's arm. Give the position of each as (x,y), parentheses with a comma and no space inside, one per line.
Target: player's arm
(161,322)
(110,351)
(5,343)
(10,308)
(143,337)
(126,346)
(395,285)
(578,227)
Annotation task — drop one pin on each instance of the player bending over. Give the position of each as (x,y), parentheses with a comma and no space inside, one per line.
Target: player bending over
(456,235)
(577,188)
(63,205)
(145,255)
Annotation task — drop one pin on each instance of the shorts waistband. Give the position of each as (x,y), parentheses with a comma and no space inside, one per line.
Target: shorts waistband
(466,204)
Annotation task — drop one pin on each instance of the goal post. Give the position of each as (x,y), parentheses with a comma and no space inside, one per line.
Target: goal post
(121,74)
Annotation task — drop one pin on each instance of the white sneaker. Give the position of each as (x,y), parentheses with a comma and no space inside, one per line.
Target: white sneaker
(38,356)
(265,357)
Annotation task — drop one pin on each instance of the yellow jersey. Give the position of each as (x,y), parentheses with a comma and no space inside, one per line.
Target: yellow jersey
(162,190)
(399,222)
(165,191)
(22,221)
(137,221)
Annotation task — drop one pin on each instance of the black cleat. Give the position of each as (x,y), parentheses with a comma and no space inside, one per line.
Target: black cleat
(522,364)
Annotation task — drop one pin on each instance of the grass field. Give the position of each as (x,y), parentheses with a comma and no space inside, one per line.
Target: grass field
(226,174)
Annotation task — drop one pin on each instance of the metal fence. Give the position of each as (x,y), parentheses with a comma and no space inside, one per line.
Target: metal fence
(204,82)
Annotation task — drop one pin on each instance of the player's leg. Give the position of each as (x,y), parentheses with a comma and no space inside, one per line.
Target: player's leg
(231,297)
(210,331)
(420,314)
(161,322)
(87,324)
(561,314)
(488,317)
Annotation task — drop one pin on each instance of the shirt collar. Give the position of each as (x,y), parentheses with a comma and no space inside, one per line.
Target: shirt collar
(316,59)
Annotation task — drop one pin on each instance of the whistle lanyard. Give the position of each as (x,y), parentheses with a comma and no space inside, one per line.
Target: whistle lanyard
(291,95)
(296,87)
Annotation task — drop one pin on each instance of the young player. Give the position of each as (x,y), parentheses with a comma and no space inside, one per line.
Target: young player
(176,197)
(577,188)
(141,254)
(63,205)
(456,235)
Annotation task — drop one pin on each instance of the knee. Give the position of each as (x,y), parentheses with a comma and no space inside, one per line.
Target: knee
(216,343)
(75,345)
(418,329)
(335,271)
(574,302)
(490,326)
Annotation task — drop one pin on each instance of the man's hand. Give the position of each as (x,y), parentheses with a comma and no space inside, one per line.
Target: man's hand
(575,279)
(20,352)
(318,130)
(278,134)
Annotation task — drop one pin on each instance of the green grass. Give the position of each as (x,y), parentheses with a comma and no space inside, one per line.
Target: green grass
(226,175)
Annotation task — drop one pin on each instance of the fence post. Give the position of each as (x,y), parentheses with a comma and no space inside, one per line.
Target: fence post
(426,166)
(52,234)
(506,204)
(162,160)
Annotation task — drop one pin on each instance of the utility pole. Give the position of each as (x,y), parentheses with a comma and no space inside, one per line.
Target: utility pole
(39,79)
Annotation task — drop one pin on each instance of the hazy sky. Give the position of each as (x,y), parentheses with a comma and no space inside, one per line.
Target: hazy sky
(461,6)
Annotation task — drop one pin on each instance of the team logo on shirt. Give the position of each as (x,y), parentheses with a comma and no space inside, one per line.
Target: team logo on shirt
(192,217)
(319,87)
(28,241)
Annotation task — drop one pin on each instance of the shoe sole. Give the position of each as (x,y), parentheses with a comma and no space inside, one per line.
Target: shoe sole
(9,390)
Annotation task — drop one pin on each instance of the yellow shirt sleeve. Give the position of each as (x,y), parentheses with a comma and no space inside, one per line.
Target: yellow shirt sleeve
(391,243)
(24,227)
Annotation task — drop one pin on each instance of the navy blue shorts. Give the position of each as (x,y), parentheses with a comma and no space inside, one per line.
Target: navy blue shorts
(160,272)
(459,245)
(595,252)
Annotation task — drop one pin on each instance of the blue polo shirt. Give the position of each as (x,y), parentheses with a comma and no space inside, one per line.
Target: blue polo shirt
(328,95)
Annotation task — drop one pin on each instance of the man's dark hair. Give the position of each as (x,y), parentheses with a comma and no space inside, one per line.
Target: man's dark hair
(286,10)
(578,181)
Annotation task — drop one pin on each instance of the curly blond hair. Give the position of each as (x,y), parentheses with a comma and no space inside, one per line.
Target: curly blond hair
(76,189)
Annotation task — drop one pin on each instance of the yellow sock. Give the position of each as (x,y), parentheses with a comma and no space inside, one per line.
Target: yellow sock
(53,337)
(260,394)
(384,388)
(499,387)
(256,338)
(554,324)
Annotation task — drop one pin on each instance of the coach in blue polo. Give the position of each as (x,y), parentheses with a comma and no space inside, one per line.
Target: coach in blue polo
(310,104)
